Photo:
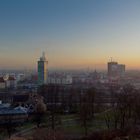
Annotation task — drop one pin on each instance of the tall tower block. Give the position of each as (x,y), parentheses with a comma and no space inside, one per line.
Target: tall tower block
(42,70)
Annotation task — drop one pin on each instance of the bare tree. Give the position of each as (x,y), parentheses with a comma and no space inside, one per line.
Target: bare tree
(123,106)
(86,111)
(91,99)
(40,109)
(51,96)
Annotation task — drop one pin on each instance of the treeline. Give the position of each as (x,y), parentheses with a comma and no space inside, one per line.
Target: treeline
(121,114)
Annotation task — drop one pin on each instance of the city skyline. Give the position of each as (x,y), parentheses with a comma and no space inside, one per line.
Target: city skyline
(75,34)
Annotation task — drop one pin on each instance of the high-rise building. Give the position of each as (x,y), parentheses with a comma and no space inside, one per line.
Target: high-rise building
(121,69)
(115,69)
(112,69)
(42,70)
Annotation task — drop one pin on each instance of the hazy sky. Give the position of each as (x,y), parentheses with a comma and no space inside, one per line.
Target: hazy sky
(74,33)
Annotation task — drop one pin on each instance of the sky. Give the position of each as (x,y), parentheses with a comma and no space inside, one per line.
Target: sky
(75,34)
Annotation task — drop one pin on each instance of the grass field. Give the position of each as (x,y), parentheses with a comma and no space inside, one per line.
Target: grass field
(69,124)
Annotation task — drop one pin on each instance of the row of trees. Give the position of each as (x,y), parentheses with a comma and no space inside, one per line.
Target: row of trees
(122,111)
(125,109)
(81,103)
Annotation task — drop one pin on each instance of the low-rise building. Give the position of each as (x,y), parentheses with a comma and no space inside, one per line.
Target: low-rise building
(10,116)
(2,83)
(59,79)
(7,82)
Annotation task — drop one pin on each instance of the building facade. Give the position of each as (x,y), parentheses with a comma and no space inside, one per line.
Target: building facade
(42,70)
(8,81)
(115,69)
(121,69)
(59,79)
(112,69)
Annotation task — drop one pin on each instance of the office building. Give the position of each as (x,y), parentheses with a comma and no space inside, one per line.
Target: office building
(42,70)
(112,69)
(121,69)
(115,69)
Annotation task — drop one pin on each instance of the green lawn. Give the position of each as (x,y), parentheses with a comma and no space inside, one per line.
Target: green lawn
(26,126)
(71,125)
(2,135)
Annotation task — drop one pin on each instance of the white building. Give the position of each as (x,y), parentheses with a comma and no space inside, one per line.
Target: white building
(7,82)
(59,79)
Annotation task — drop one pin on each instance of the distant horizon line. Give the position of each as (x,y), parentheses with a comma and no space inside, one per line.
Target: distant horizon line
(63,69)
